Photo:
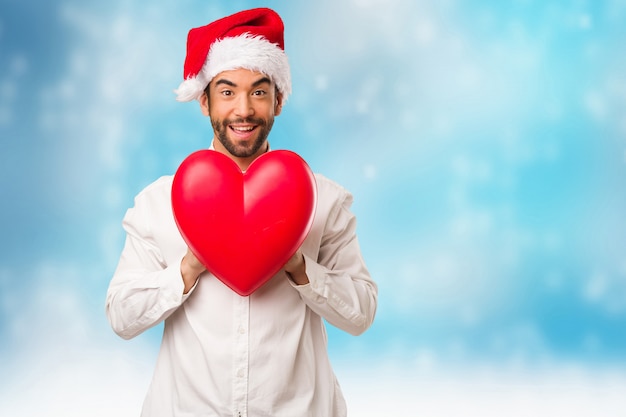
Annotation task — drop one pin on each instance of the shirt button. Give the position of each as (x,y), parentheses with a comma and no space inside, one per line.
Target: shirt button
(242,330)
(240,373)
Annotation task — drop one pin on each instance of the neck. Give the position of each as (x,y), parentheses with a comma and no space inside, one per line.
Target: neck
(242,162)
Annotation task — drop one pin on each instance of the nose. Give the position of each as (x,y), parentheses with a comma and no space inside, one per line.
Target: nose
(243,107)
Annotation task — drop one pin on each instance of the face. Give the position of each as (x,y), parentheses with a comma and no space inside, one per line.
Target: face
(242,105)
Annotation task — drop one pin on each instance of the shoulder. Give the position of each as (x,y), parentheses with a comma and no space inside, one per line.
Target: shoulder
(151,209)
(331,193)
(326,185)
(156,191)
(152,202)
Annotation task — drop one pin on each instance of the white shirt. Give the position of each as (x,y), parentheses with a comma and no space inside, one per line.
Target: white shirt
(227,355)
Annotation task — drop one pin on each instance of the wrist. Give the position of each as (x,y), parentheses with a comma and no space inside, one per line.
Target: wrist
(297,270)
(190,270)
(300,279)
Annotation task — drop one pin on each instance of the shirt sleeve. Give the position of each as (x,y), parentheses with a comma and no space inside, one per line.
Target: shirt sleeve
(144,290)
(340,288)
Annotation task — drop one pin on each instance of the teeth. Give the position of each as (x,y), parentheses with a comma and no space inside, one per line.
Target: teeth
(243,128)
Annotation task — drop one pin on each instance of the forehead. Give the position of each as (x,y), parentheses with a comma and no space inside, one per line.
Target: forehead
(241,77)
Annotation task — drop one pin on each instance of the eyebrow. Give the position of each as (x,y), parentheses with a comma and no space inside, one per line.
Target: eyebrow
(232,84)
(261,81)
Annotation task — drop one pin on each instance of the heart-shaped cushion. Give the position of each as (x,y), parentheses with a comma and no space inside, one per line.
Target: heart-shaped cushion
(244,226)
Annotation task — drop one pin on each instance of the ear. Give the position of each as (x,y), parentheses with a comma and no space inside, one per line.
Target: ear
(204,104)
(278,107)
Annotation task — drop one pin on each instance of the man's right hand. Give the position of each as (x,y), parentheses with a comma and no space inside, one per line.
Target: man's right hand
(190,269)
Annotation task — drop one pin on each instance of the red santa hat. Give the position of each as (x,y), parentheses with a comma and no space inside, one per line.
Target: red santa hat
(251,39)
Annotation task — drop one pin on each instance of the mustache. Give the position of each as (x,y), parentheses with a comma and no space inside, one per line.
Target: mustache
(250,120)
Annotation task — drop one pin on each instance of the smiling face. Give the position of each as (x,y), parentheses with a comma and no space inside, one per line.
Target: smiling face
(242,105)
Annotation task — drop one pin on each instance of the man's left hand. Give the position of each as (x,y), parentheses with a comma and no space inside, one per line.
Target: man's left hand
(296,268)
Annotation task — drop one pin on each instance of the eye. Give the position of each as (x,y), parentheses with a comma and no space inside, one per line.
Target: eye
(226,93)
(259,93)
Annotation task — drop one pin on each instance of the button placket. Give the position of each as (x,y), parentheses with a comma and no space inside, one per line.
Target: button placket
(241,355)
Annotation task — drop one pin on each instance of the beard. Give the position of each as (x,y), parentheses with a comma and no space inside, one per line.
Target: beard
(247,149)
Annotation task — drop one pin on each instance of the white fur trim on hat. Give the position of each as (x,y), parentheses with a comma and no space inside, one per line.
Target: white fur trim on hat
(245,51)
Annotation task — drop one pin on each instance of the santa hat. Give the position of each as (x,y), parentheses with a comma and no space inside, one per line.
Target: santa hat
(251,39)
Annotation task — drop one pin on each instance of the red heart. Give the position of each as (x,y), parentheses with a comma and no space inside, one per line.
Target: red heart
(244,226)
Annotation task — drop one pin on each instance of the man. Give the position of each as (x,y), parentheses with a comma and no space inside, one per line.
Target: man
(223,354)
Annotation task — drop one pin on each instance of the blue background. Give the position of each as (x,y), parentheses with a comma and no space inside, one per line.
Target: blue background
(484,144)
